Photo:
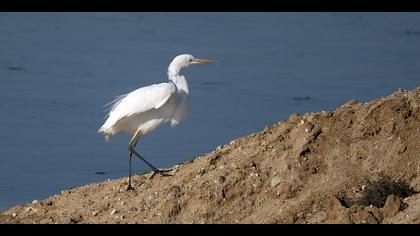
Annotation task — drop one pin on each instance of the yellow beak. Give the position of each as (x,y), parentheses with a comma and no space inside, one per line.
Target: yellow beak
(200,61)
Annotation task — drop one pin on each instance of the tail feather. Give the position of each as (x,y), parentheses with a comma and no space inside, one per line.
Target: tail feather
(107,133)
(107,129)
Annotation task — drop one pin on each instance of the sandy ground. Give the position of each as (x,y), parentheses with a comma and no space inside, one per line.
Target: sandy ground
(358,164)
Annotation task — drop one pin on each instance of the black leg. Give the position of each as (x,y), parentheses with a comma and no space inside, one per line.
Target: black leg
(131,145)
(132,142)
(156,170)
(129,176)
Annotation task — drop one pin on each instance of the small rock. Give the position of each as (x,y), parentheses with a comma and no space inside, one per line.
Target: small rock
(176,192)
(14,214)
(232,142)
(75,219)
(275,181)
(350,103)
(95,213)
(35,202)
(294,118)
(113,212)
(376,213)
(364,217)
(336,212)
(222,179)
(392,206)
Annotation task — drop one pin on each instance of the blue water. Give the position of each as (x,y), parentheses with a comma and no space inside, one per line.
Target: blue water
(57,70)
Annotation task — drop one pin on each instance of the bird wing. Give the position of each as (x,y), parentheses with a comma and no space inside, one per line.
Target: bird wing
(140,100)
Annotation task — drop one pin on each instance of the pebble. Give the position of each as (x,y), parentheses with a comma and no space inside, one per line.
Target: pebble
(222,179)
(275,181)
(14,214)
(95,213)
(35,202)
(113,212)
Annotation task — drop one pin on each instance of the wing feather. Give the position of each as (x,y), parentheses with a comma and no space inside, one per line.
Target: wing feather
(139,101)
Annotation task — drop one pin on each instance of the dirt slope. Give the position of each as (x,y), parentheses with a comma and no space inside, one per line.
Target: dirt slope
(359,164)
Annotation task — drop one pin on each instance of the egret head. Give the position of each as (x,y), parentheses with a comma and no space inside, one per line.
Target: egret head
(184,60)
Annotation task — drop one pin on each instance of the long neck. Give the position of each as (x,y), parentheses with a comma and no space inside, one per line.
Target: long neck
(179,80)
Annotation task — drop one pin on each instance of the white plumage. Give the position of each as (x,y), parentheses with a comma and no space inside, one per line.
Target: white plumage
(145,109)
(142,109)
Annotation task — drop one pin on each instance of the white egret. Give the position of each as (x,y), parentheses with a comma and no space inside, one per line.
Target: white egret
(145,109)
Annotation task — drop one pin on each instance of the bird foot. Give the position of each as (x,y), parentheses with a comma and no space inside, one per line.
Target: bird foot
(129,188)
(162,173)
